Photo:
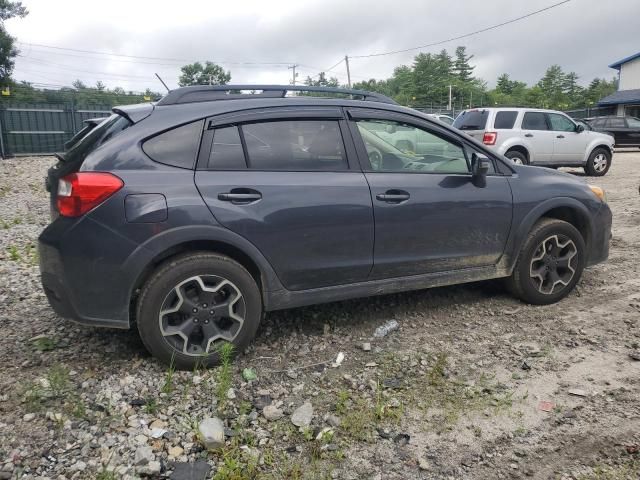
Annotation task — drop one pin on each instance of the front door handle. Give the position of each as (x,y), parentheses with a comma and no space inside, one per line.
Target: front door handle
(528,135)
(240,196)
(393,196)
(560,136)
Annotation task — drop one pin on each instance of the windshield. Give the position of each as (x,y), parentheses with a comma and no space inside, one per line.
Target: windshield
(471,120)
(100,134)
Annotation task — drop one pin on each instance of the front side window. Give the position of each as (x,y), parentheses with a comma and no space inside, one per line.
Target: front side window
(534,121)
(560,123)
(226,150)
(399,147)
(505,120)
(633,122)
(177,147)
(295,145)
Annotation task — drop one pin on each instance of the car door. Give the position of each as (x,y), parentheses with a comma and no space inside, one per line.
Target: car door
(617,127)
(285,181)
(429,215)
(569,145)
(633,131)
(535,129)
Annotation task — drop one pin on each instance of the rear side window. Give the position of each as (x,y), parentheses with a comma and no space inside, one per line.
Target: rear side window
(505,119)
(534,121)
(295,145)
(472,120)
(633,122)
(599,123)
(617,123)
(177,147)
(226,150)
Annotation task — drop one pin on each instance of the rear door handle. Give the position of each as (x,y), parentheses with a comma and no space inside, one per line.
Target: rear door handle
(393,196)
(240,196)
(560,136)
(528,135)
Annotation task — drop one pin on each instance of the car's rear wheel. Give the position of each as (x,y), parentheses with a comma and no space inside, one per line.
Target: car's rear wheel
(598,163)
(550,263)
(517,157)
(195,303)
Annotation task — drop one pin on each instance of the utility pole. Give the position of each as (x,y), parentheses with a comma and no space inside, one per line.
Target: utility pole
(210,79)
(449,104)
(346,61)
(293,67)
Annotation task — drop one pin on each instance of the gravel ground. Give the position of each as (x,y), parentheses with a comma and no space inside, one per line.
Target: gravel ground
(472,385)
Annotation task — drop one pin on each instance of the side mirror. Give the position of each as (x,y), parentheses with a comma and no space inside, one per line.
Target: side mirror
(480,165)
(579,128)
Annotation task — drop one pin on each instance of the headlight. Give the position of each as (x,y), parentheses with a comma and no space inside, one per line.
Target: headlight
(598,192)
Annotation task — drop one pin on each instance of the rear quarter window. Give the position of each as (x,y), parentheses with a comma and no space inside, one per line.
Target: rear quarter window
(505,120)
(472,120)
(177,147)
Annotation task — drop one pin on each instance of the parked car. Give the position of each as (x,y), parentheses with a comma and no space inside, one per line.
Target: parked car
(191,217)
(538,137)
(625,130)
(443,118)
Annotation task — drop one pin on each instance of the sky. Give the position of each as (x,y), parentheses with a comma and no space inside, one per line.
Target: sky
(257,40)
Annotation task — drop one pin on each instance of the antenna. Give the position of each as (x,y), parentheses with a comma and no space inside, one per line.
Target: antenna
(162,81)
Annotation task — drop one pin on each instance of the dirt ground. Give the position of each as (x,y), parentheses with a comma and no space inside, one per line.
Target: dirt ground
(472,385)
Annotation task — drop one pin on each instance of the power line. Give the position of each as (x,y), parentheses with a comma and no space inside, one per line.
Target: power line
(393,52)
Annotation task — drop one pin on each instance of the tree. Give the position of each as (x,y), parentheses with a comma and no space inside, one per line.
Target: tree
(463,70)
(207,74)
(322,81)
(8,51)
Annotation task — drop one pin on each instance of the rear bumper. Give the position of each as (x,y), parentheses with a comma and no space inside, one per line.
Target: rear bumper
(601,237)
(83,279)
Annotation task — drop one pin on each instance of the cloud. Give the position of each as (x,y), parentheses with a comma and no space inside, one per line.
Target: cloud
(581,36)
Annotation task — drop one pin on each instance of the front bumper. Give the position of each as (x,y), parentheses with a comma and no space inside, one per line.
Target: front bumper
(601,236)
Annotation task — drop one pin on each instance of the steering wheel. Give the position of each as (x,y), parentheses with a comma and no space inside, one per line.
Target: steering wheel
(375,159)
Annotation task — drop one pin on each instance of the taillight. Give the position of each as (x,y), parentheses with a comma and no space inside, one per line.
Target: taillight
(80,192)
(489,138)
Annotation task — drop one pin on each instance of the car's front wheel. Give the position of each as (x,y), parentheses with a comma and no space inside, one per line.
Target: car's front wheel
(193,304)
(517,157)
(550,263)
(598,163)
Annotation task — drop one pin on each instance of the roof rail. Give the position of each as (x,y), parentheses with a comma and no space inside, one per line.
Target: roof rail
(207,93)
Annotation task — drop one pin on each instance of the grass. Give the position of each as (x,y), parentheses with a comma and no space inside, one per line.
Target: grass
(151,406)
(14,254)
(168,385)
(630,470)
(235,463)
(56,393)
(45,344)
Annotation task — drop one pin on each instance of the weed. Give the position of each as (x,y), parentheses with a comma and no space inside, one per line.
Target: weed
(628,470)
(236,464)
(58,377)
(77,408)
(225,351)
(14,254)
(44,344)
(341,403)
(168,386)
(151,406)
(105,474)
(33,397)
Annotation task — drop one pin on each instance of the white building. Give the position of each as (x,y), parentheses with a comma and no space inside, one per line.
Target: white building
(626,101)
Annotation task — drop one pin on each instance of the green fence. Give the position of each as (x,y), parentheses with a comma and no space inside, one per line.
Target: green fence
(42,128)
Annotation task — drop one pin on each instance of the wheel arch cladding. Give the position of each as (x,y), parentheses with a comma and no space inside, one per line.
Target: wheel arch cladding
(518,148)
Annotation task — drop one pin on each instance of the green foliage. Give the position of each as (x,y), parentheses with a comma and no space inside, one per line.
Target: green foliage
(322,81)
(168,385)
(225,352)
(8,51)
(207,74)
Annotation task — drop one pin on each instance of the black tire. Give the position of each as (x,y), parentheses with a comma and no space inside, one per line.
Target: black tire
(517,157)
(594,168)
(238,296)
(531,289)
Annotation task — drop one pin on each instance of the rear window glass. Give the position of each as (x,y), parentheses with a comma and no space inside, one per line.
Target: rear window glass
(177,147)
(226,150)
(472,120)
(534,121)
(295,145)
(505,119)
(103,132)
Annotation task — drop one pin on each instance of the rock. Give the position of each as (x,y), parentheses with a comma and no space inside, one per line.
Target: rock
(197,379)
(249,374)
(191,471)
(423,464)
(577,392)
(79,466)
(176,451)
(153,468)
(28,417)
(531,349)
(635,355)
(158,433)
(386,329)
(366,347)
(339,360)
(333,420)
(402,439)
(212,433)
(143,456)
(303,415)
(231,394)
(272,413)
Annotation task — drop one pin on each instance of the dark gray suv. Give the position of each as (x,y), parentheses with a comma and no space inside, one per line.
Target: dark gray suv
(192,216)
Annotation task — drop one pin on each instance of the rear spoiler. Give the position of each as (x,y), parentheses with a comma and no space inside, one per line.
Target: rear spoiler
(135,113)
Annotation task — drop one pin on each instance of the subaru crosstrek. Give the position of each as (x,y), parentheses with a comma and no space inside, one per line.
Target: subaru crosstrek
(191,217)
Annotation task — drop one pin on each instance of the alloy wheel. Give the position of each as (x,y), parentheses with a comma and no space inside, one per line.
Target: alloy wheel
(553,263)
(600,162)
(199,311)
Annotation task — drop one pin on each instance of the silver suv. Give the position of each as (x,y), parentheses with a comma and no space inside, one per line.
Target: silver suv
(531,136)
